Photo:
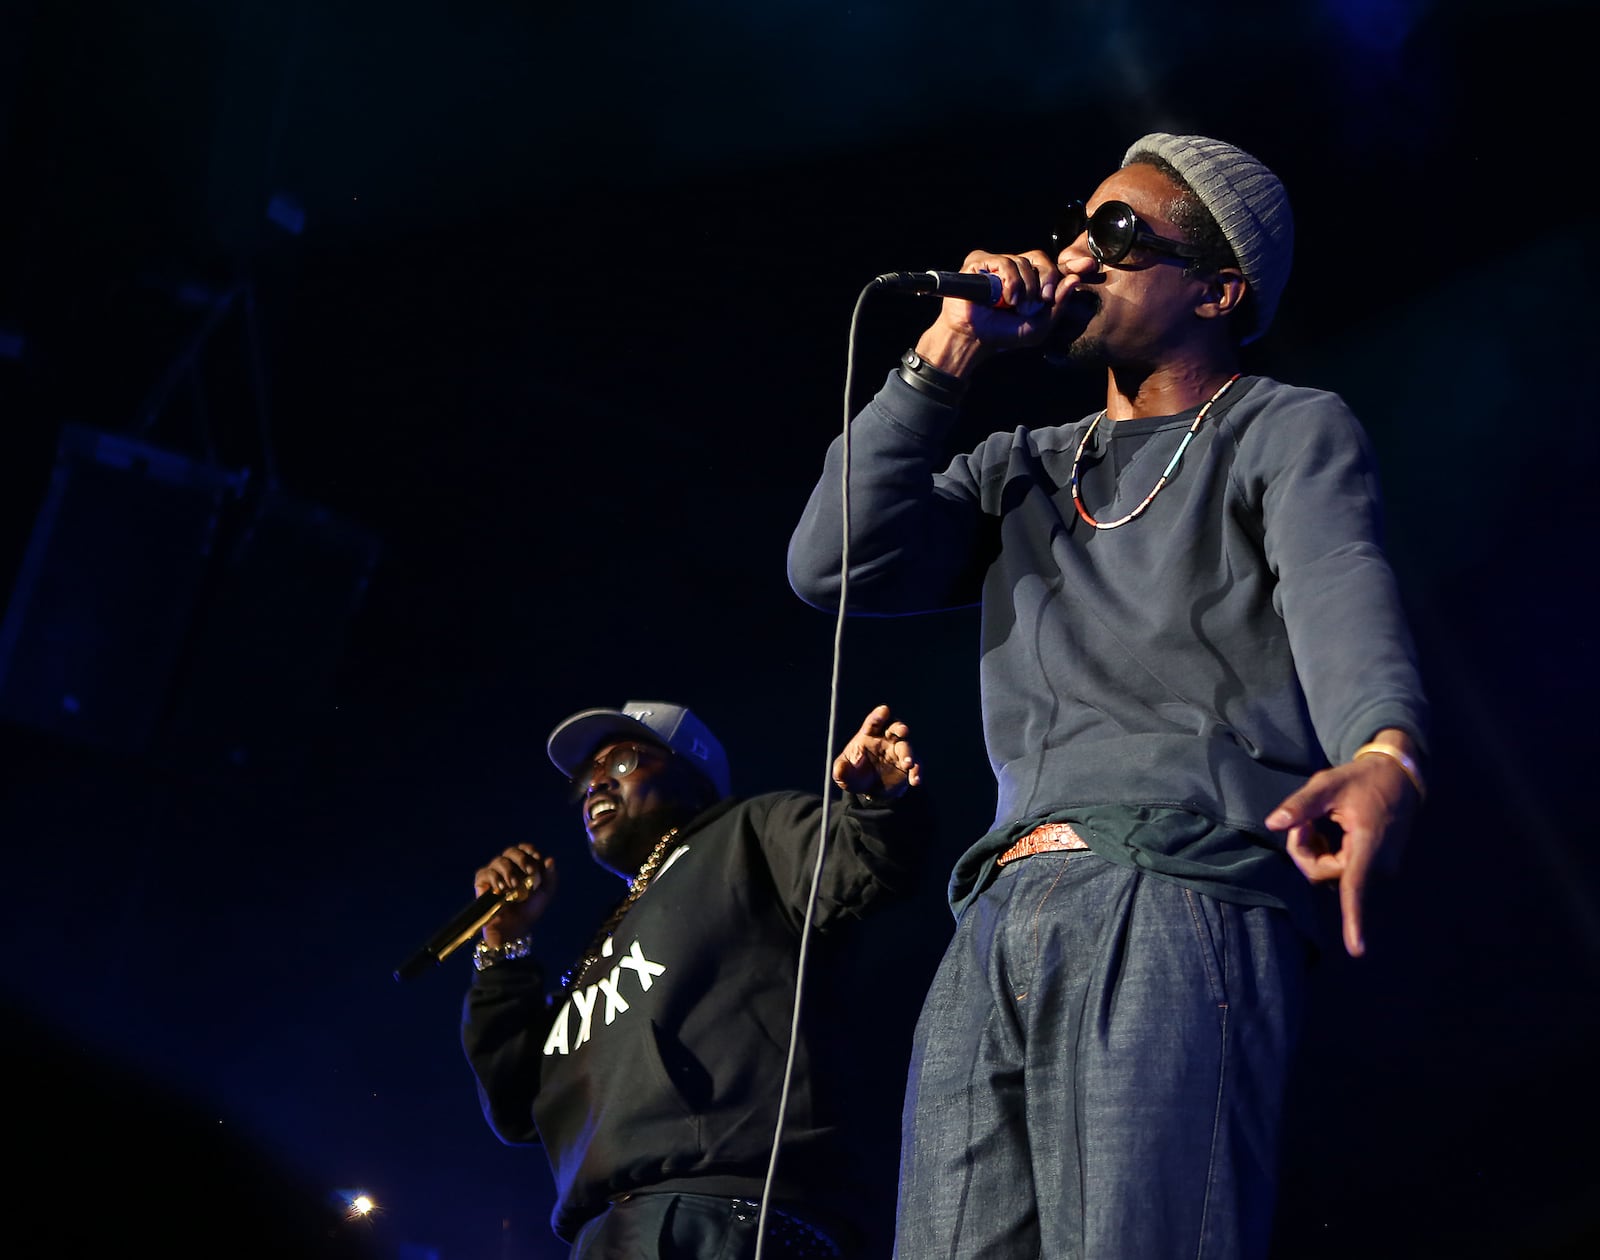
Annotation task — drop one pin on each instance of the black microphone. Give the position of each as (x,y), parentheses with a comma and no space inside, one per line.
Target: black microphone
(444,942)
(979,286)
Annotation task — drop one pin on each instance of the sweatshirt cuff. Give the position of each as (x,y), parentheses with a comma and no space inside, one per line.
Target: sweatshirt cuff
(914,412)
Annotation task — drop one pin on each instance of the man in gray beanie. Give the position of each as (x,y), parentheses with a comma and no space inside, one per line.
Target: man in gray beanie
(1200,699)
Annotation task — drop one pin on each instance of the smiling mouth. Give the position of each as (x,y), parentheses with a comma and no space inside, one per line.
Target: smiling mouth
(599,809)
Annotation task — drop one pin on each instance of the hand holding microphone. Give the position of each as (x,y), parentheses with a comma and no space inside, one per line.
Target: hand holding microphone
(996,301)
(1000,299)
(513,891)
(526,883)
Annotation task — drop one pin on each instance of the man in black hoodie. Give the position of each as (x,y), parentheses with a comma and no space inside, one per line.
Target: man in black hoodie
(655,1074)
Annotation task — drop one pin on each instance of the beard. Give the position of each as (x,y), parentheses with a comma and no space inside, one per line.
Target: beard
(1068,343)
(1089,352)
(628,841)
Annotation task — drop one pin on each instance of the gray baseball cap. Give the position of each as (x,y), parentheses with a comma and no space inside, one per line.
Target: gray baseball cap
(575,740)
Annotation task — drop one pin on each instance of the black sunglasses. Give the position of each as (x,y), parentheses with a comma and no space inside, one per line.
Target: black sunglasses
(618,763)
(1114,230)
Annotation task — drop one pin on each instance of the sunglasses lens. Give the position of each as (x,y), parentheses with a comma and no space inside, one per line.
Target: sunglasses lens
(1112,231)
(1069,227)
(619,764)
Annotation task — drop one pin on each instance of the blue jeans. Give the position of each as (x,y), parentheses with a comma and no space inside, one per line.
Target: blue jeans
(1098,1072)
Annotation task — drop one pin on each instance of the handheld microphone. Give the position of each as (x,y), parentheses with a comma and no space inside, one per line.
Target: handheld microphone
(445,941)
(980,286)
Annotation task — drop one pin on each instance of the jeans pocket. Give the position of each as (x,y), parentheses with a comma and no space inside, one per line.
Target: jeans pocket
(1209,919)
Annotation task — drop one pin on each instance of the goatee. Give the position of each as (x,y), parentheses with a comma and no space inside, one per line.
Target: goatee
(628,841)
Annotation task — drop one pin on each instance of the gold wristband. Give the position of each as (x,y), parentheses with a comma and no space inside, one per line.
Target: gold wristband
(1397,755)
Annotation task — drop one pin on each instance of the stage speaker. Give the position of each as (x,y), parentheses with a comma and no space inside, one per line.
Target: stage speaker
(164,606)
(106,590)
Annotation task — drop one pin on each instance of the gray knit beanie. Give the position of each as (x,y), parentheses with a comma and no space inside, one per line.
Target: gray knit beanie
(1247,201)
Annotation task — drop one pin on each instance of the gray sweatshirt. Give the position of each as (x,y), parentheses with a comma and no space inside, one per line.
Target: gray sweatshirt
(1243,632)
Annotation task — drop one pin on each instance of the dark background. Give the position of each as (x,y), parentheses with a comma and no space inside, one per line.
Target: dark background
(383,382)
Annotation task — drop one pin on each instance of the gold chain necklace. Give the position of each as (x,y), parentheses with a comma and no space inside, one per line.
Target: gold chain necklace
(636,887)
(1077,501)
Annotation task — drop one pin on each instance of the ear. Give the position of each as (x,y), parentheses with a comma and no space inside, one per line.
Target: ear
(1224,290)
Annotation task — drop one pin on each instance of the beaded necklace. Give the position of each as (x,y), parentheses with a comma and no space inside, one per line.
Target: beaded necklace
(1077,501)
(636,887)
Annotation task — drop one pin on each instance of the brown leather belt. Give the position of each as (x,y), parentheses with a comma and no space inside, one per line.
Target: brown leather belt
(1045,838)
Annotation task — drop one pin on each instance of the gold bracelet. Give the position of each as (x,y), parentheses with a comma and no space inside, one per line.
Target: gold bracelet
(1398,756)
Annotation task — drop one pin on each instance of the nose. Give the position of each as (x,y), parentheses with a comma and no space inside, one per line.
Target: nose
(1066,251)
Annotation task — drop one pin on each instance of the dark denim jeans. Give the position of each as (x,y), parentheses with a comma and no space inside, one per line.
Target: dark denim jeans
(1098,1072)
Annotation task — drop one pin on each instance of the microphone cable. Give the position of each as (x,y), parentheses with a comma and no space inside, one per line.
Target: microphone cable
(828,785)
